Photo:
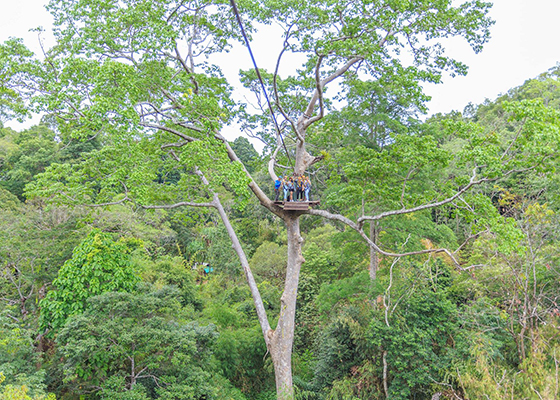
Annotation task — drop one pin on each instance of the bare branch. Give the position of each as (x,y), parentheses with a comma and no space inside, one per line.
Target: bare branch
(387,296)
(180,204)
(171,98)
(111,203)
(12,317)
(259,305)
(180,144)
(472,183)
(174,11)
(263,198)
(171,130)
(155,378)
(514,139)
(382,42)
(272,163)
(315,160)
(275,86)
(467,240)
(358,228)
(188,70)
(81,114)
(339,72)
(319,91)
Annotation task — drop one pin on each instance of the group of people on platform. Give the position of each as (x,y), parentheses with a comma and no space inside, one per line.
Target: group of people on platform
(295,187)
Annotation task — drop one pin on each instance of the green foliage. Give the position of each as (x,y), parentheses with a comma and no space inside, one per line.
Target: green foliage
(13,54)
(34,241)
(421,345)
(536,375)
(13,392)
(246,153)
(241,353)
(24,155)
(97,265)
(269,262)
(168,271)
(9,201)
(136,121)
(308,323)
(151,228)
(342,345)
(123,340)
(379,110)
(219,253)
(323,260)
(413,327)
(140,158)
(17,363)
(350,289)
(254,224)
(240,347)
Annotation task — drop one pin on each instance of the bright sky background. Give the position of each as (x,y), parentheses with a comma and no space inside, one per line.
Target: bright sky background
(524,44)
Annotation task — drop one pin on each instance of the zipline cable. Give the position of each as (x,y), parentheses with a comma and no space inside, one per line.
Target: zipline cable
(236,12)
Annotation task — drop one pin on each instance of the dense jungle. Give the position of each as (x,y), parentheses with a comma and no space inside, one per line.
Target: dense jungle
(143,254)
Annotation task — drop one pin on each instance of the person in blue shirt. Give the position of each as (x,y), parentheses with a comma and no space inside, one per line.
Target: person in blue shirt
(277,184)
(307,187)
(285,187)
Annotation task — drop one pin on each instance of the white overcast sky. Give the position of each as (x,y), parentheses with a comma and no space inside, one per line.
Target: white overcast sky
(524,44)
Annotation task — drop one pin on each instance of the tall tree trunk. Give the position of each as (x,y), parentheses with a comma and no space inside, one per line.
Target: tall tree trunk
(283,337)
(280,340)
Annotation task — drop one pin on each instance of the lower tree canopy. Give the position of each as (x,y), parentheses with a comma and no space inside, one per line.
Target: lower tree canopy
(97,265)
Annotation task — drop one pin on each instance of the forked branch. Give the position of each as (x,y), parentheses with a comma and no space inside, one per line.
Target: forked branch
(472,182)
(318,91)
(255,188)
(274,82)
(358,228)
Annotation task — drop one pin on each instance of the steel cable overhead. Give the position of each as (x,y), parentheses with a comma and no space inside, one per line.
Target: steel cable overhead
(236,12)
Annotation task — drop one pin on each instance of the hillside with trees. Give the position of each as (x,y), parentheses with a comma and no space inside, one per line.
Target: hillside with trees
(142,254)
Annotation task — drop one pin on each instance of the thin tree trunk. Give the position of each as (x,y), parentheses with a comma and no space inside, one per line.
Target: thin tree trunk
(257,300)
(385,383)
(280,340)
(557,369)
(522,344)
(373,255)
(132,373)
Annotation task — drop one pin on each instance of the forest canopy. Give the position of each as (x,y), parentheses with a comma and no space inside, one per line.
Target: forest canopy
(145,256)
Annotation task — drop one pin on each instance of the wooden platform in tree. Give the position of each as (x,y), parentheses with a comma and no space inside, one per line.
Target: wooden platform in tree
(297,205)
